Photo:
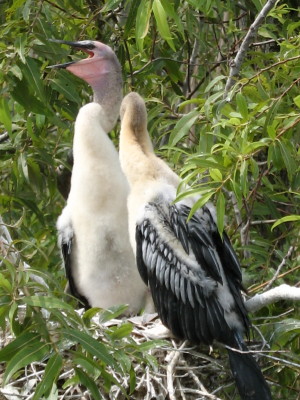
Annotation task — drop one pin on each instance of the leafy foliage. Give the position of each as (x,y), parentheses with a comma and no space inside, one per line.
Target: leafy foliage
(241,151)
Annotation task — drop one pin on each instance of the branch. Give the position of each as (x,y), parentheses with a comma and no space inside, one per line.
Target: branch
(281,265)
(4,136)
(238,60)
(282,292)
(172,360)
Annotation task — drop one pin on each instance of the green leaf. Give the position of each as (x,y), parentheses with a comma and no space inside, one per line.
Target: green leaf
(242,105)
(271,114)
(25,339)
(110,5)
(47,302)
(65,85)
(252,146)
(5,116)
(88,383)
(220,212)
(32,73)
(214,82)
(297,101)
(288,218)
(122,331)
(142,22)
(91,345)
(132,380)
(215,174)
(22,94)
(131,18)
(24,357)
(169,9)
(20,47)
(244,177)
(51,374)
(200,203)
(288,159)
(182,127)
(162,23)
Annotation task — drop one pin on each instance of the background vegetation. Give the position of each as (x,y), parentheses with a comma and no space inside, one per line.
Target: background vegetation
(240,150)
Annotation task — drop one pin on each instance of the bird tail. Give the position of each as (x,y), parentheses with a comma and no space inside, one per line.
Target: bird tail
(248,377)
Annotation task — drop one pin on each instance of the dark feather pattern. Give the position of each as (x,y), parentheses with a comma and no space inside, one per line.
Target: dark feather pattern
(66,249)
(189,270)
(178,286)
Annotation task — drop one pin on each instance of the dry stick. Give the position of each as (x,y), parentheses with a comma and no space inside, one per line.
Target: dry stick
(203,391)
(254,289)
(236,64)
(282,264)
(173,357)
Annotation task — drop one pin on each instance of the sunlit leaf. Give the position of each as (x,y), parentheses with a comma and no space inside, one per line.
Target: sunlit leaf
(142,22)
(182,127)
(220,212)
(162,23)
(47,302)
(242,105)
(288,218)
(201,202)
(5,116)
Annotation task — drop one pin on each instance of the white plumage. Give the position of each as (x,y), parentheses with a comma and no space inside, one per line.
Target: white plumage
(93,227)
(95,219)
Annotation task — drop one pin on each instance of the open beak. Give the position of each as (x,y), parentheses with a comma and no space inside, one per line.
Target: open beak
(85,45)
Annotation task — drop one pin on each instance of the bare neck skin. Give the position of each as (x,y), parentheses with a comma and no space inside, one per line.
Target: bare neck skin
(104,75)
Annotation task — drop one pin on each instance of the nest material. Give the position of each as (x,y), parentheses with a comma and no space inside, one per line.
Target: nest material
(183,372)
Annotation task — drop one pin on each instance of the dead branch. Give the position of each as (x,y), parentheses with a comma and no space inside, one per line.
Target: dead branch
(282,292)
(236,64)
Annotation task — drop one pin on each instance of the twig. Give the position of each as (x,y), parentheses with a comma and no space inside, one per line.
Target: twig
(282,264)
(202,391)
(282,292)
(254,289)
(238,60)
(173,357)
(261,71)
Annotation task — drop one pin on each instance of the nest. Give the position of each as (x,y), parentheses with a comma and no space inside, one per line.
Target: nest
(181,371)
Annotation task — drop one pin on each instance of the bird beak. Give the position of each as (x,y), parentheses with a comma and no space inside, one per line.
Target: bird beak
(85,45)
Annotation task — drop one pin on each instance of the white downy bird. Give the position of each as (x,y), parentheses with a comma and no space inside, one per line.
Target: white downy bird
(93,226)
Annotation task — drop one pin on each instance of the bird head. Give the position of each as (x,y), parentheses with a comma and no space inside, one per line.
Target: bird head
(101,62)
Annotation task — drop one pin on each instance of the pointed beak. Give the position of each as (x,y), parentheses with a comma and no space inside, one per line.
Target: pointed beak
(85,45)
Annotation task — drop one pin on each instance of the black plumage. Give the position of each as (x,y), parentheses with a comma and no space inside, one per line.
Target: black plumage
(187,294)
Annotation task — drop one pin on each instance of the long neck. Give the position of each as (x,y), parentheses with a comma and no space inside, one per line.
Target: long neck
(108,93)
(137,157)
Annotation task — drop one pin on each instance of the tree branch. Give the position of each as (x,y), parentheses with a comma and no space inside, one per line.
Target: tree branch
(4,136)
(282,292)
(236,64)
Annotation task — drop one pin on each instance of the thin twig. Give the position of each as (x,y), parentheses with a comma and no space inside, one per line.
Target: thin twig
(254,289)
(239,58)
(280,266)
(173,357)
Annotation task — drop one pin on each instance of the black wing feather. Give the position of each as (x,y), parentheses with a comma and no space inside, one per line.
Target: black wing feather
(66,249)
(185,297)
